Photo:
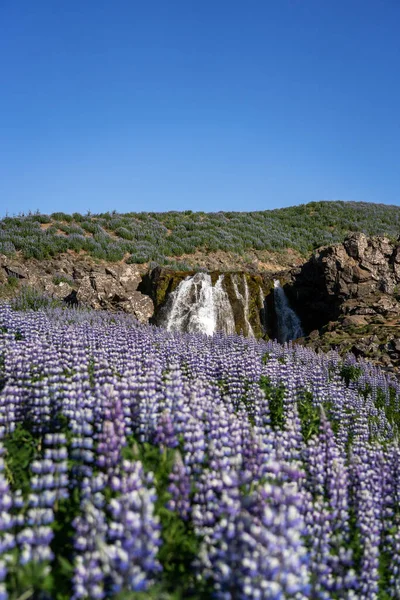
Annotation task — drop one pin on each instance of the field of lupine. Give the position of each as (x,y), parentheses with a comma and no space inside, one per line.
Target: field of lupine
(139,463)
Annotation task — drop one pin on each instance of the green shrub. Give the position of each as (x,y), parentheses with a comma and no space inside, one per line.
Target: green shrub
(12,282)
(63,278)
(61,216)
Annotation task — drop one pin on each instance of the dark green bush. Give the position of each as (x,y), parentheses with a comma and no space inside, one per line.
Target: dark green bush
(61,216)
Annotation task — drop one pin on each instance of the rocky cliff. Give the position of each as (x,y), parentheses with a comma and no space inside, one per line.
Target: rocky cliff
(81,280)
(358,279)
(348,296)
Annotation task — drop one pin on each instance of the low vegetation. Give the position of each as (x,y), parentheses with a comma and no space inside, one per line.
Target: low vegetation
(161,237)
(136,464)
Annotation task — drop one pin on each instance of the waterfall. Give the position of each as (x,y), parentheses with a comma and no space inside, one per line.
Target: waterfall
(198,307)
(263,310)
(244,300)
(289,325)
(224,314)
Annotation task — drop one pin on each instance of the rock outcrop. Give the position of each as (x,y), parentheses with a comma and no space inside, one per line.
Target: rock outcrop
(348,297)
(358,280)
(82,281)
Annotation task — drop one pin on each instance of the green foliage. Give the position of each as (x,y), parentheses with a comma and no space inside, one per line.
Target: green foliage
(8,289)
(350,373)
(275,398)
(178,551)
(12,282)
(178,265)
(22,448)
(27,581)
(310,416)
(389,405)
(355,544)
(162,236)
(61,216)
(385,560)
(62,544)
(62,278)
(180,545)
(265,358)
(159,592)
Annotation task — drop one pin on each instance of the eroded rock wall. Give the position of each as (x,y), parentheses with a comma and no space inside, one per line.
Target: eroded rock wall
(82,281)
(358,280)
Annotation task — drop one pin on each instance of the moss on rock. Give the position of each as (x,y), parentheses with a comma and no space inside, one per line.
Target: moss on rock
(165,281)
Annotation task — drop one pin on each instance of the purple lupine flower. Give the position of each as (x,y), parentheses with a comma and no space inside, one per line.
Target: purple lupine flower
(92,563)
(112,436)
(367,482)
(134,531)
(253,546)
(180,488)
(165,433)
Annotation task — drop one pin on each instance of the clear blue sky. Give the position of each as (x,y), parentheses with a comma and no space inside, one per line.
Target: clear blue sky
(201,105)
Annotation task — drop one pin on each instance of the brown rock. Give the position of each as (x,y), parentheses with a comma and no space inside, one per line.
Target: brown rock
(130,277)
(366,288)
(16,270)
(360,275)
(140,306)
(113,271)
(386,305)
(354,321)
(356,245)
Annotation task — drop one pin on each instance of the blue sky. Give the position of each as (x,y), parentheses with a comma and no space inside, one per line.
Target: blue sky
(201,105)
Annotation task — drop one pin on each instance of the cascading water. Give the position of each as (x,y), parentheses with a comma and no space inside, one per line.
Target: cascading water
(244,300)
(223,311)
(196,306)
(289,325)
(263,310)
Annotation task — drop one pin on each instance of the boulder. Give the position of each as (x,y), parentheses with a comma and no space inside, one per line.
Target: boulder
(130,277)
(140,306)
(356,245)
(354,321)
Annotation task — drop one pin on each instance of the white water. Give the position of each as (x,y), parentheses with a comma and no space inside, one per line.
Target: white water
(199,307)
(244,300)
(263,310)
(289,325)
(223,311)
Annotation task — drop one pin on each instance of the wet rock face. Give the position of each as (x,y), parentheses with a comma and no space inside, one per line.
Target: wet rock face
(82,281)
(360,277)
(160,283)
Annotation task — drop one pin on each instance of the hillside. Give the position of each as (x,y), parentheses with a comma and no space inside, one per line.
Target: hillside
(187,239)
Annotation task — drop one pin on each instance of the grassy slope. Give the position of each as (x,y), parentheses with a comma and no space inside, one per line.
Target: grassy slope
(159,237)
